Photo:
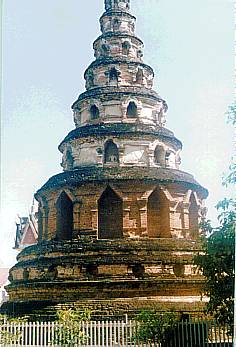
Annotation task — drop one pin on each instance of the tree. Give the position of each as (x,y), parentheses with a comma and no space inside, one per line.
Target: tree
(231,178)
(217,262)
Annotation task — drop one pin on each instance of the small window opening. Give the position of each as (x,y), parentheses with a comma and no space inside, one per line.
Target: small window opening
(113,75)
(159,155)
(179,270)
(94,112)
(25,275)
(139,76)
(91,269)
(116,24)
(111,153)
(105,49)
(138,270)
(52,272)
(139,53)
(125,48)
(132,110)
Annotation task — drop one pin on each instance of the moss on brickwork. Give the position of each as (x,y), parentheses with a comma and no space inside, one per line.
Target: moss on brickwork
(122,130)
(115,92)
(93,173)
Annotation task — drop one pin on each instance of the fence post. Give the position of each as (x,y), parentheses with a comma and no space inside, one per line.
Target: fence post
(103,333)
(99,333)
(110,333)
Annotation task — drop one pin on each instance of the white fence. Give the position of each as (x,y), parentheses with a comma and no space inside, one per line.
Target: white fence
(93,333)
(112,334)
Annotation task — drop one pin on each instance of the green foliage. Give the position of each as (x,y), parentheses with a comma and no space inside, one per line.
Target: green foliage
(6,319)
(231,113)
(217,262)
(155,327)
(231,178)
(69,332)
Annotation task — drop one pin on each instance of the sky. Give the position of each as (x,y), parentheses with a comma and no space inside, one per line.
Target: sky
(47,45)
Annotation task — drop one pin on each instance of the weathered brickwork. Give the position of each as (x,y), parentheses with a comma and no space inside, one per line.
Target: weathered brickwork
(118,229)
(152,210)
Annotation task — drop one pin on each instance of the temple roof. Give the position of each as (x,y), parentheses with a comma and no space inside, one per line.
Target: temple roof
(26,231)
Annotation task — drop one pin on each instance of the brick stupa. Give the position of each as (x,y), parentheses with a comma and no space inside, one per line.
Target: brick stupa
(118,228)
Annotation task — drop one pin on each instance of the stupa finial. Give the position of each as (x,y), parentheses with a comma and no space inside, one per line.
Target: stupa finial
(117,4)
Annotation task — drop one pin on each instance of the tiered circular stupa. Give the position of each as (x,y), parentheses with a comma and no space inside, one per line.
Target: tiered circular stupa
(118,228)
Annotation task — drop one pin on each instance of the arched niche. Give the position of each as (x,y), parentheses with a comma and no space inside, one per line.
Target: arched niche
(105,49)
(113,75)
(158,216)
(193,216)
(52,272)
(132,110)
(111,153)
(139,53)
(138,270)
(159,155)
(94,112)
(139,76)
(64,217)
(92,269)
(116,24)
(25,274)
(125,48)
(110,215)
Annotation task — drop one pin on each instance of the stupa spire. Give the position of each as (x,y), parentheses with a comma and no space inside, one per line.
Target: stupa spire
(120,200)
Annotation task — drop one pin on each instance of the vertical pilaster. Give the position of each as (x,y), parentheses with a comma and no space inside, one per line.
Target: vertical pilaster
(45,222)
(172,212)
(51,220)
(143,216)
(185,210)
(76,218)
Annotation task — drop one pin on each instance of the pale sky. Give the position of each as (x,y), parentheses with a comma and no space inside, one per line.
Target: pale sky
(47,45)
